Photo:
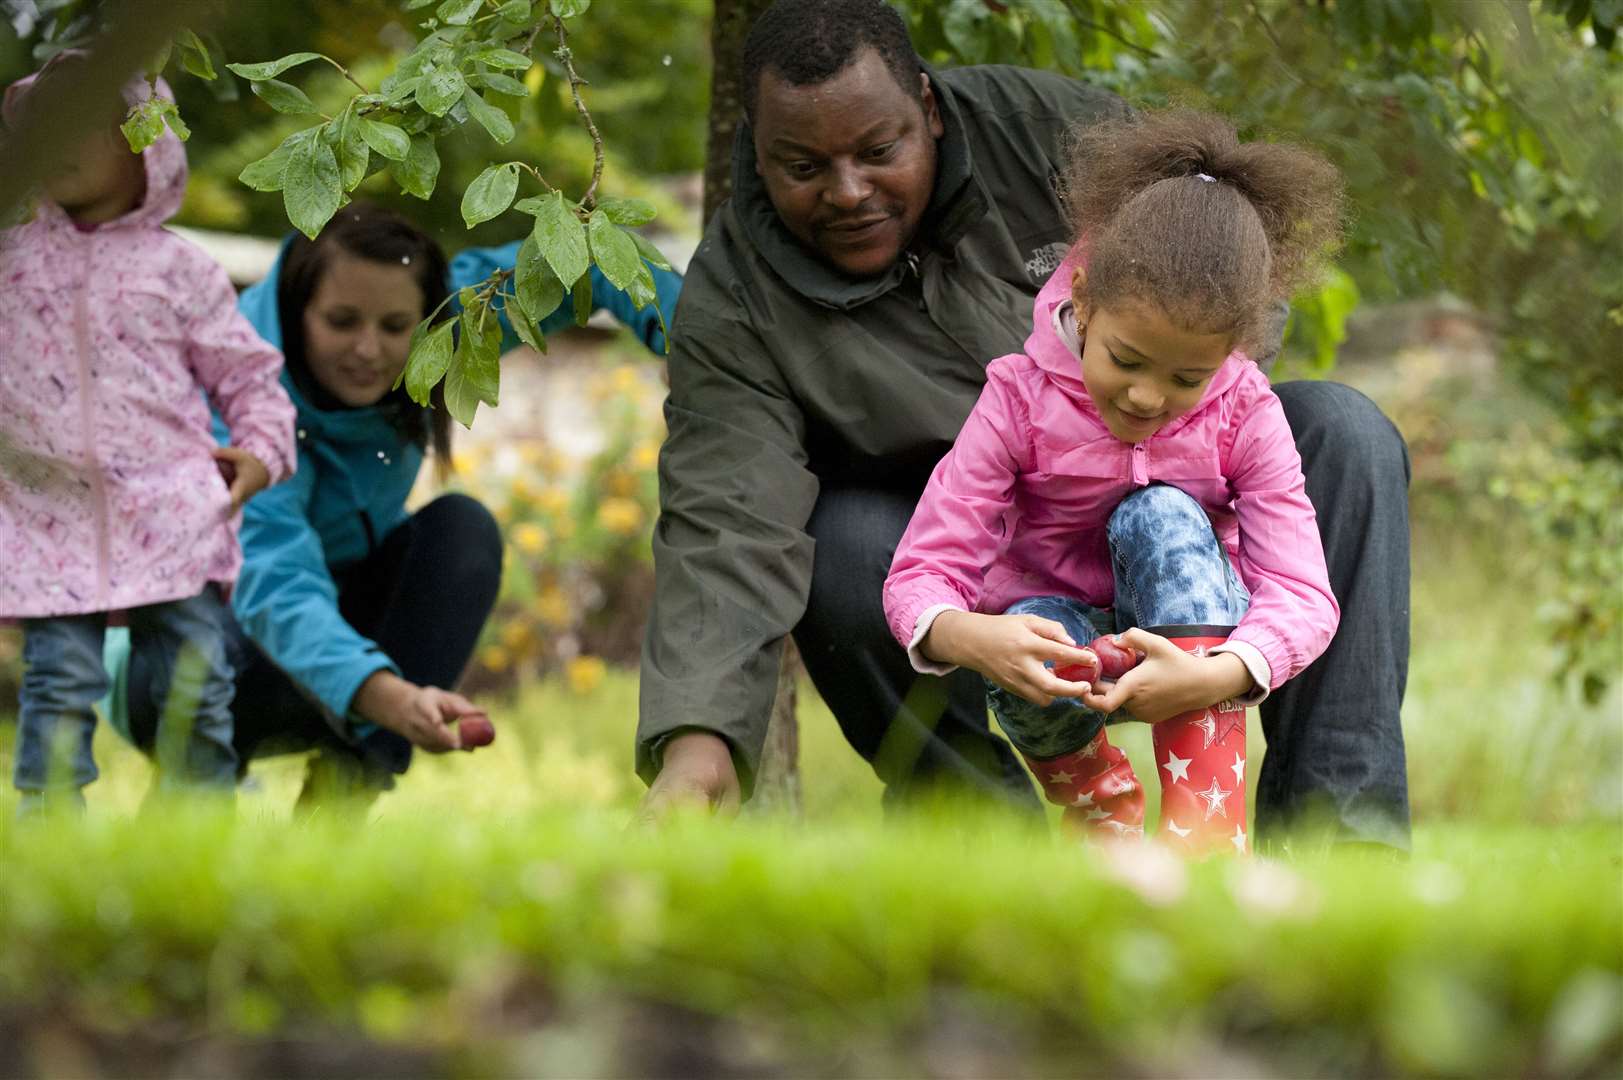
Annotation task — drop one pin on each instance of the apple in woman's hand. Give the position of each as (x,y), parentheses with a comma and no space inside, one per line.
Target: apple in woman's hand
(1114,662)
(476,731)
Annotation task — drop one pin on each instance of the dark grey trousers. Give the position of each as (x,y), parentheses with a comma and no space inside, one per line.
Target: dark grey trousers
(1335,745)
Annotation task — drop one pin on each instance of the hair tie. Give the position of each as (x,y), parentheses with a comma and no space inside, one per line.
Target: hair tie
(1206,177)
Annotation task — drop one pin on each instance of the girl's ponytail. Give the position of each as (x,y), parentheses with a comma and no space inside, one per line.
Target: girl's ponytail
(1174,208)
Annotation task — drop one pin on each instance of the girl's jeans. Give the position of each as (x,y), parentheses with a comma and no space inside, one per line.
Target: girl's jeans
(1170,570)
(64,678)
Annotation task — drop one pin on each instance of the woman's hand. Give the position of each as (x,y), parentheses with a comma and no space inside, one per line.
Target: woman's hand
(1010,650)
(244,474)
(425,716)
(1170,681)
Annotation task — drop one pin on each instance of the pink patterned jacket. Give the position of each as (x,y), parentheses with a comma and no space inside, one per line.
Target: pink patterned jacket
(109,340)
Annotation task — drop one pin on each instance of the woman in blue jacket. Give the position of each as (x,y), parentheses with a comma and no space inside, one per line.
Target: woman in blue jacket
(355,618)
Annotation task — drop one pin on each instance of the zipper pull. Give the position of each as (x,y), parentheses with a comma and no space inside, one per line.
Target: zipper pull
(912,263)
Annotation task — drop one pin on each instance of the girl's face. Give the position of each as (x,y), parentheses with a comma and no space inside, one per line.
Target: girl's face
(98,179)
(357,327)
(1142,370)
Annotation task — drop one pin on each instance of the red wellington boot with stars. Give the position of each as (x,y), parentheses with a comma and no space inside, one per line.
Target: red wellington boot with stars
(1200,756)
(1097,787)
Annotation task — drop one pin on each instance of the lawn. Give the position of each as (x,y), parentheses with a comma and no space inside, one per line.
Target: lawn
(495,915)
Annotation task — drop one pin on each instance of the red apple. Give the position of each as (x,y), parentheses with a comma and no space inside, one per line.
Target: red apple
(1114,662)
(476,731)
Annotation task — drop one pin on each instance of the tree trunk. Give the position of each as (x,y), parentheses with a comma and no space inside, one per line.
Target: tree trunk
(777,787)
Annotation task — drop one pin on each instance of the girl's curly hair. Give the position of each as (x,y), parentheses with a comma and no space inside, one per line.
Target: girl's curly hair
(1215,254)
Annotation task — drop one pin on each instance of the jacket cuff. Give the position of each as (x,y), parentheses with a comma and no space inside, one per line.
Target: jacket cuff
(921,663)
(1256,664)
(1274,652)
(278,460)
(340,706)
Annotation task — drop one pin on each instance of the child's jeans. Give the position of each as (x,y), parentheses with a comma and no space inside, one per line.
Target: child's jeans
(1170,570)
(64,677)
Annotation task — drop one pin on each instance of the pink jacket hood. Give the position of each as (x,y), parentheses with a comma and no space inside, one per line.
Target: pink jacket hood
(1019,506)
(117,341)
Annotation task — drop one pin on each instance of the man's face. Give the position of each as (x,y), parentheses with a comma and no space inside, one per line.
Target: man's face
(848,163)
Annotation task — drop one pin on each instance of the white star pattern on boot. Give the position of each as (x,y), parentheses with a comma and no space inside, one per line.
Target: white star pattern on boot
(1239,769)
(1177,767)
(1238,839)
(1176,830)
(1215,798)
(1208,729)
(1097,814)
(1083,798)
(1061,777)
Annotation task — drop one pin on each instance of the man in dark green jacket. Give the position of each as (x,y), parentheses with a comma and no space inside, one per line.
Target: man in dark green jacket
(888,232)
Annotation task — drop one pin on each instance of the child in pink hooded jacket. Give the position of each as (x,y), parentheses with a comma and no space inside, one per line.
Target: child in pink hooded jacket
(1133,471)
(113,495)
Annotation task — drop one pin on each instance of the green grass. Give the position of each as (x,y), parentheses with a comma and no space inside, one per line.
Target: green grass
(495,915)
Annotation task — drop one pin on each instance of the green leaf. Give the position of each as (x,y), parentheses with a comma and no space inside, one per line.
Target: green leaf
(490,118)
(266,173)
(538,289)
(613,250)
(568,9)
(194,55)
(581,294)
(499,83)
(171,116)
(561,236)
(526,330)
(458,12)
(353,155)
(490,194)
(312,187)
(646,248)
(419,170)
(415,5)
(272,68)
(503,58)
(386,139)
(475,372)
(428,362)
(439,89)
(284,97)
(518,11)
(627,211)
(144,125)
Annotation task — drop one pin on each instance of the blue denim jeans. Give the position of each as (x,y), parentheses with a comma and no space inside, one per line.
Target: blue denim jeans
(1170,570)
(64,677)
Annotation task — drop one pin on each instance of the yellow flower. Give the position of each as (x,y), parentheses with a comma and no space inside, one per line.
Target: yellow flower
(584,673)
(524,487)
(645,456)
(625,379)
(553,500)
(619,482)
(620,516)
(531,453)
(466,460)
(530,538)
(517,637)
(495,658)
(563,528)
(552,606)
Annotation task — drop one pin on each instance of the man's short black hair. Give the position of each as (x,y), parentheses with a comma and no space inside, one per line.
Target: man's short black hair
(811,41)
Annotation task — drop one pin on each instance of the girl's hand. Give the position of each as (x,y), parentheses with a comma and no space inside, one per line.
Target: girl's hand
(245,474)
(425,716)
(1170,681)
(1010,650)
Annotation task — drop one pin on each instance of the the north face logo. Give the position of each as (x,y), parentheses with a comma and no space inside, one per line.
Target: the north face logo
(1045,260)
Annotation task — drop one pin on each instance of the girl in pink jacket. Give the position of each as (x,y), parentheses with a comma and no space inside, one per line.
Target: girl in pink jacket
(111,488)
(1132,471)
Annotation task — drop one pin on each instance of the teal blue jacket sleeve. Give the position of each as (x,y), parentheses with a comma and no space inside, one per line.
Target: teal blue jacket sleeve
(476,264)
(287,602)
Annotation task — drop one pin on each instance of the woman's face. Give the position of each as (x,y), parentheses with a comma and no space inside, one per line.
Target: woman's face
(357,327)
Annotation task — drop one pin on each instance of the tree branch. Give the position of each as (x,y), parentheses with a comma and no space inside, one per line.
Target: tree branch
(567,57)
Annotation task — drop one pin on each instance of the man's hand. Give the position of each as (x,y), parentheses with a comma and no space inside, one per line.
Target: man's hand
(425,716)
(697,771)
(1170,681)
(1010,650)
(244,474)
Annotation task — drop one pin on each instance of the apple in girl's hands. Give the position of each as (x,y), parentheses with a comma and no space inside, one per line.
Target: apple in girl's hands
(475,730)
(1115,660)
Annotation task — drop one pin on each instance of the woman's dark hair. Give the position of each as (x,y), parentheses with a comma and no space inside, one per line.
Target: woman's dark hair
(367,232)
(810,41)
(1173,208)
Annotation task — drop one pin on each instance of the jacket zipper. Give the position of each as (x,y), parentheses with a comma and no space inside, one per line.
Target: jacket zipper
(87,420)
(1141,470)
(912,261)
